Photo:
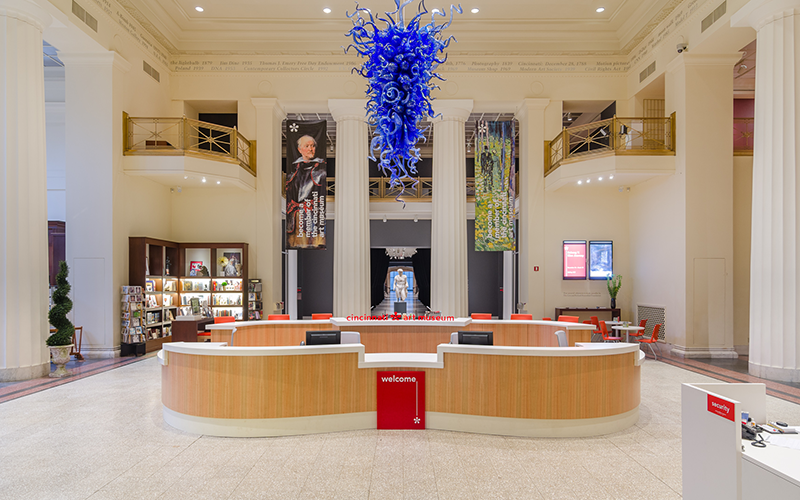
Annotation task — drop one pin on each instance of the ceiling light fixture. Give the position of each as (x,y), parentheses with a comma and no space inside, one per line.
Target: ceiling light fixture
(610,176)
(185,176)
(580,182)
(217,182)
(588,181)
(326,10)
(475,10)
(199,9)
(599,178)
(600,9)
(204,179)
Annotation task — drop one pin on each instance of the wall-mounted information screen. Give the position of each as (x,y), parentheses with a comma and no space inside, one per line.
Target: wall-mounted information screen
(574,259)
(601,260)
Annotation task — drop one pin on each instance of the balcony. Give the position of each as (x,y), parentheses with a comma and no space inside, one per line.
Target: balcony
(612,147)
(182,151)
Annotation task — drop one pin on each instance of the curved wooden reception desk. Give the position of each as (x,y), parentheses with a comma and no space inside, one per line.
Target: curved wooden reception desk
(400,335)
(588,390)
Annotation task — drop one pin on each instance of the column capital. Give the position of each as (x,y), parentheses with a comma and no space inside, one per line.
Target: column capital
(348,109)
(529,104)
(704,60)
(758,13)
(26,11)
(109,58)
(452,109)
(269,103)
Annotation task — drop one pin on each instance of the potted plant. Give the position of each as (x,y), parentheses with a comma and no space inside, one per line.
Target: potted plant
(614,282)
(60,342)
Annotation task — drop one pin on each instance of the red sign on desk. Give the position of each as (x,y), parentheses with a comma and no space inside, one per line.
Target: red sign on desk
(721,407)
(401,400)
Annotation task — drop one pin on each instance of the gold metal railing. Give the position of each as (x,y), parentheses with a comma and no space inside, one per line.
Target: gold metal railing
(380,189)
(619,136)
(181,136)
(743,136)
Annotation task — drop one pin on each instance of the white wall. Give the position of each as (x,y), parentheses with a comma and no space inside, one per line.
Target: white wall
(586,213)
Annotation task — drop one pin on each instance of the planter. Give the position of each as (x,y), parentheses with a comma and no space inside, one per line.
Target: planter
(60,354)
(613,303)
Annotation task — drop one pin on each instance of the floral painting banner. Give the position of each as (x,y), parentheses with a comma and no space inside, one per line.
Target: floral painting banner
(306,183)
(494,187)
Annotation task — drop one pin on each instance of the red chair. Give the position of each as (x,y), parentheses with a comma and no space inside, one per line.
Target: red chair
(606,336)
(522,316)
(481,316)
(639,333)
(546,319)
(594,321)
(224,319)
(569,319)
(274,317)
(321,315)
(652,340)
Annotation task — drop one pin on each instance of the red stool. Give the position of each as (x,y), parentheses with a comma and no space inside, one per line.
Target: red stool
(481,316)
(276,317)
(321,316)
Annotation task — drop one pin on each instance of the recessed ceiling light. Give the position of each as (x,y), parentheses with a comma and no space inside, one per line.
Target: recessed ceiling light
(217,182)
(588,181)
(610,176)
(601,9)
(599,178)
(580,182)
(326,10)
(204,179)
(475,11)
(199,9)
(185,176)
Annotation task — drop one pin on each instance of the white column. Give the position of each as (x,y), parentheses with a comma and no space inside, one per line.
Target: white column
(449,284)
(351,261)
(531,117)
(775,261)
(269,117)
(23,194)
(97,241)
(699,89)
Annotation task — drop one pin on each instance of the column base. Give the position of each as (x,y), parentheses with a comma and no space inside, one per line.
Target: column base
(100,352)
(704,352)
(774,373)
(24,372)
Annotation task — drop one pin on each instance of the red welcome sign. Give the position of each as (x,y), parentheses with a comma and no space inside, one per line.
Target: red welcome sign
(401,400)
(721,407)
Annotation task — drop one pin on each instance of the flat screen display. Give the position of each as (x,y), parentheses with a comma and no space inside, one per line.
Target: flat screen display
(575,259)
(476,338)
(323,337)
(601,260)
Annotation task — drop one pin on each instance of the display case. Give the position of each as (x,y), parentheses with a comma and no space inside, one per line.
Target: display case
(151,264)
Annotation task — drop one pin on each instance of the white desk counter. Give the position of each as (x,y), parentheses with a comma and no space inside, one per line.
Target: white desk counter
(211,388)
(771,472)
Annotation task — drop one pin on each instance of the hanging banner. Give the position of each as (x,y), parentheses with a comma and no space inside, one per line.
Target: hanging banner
(306,183)
(494,187)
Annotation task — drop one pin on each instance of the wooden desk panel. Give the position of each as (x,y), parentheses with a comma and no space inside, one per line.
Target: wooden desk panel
(535,387)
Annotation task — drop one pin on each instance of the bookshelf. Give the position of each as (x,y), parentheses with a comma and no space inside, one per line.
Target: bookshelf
(255,304)
(171,274)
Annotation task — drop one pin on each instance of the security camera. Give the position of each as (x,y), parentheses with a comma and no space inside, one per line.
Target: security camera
(681,47)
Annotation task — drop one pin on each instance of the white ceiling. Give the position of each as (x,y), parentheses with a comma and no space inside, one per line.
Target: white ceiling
(301,27)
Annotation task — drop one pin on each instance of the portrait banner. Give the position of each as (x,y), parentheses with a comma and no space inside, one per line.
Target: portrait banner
(306,183)
(495,189)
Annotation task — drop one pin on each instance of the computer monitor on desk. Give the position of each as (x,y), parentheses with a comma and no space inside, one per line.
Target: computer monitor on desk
(476,338)
(323,337)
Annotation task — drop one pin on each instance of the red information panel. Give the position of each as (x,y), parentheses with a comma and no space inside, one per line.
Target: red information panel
(401,400)
(574,260)
(721,407)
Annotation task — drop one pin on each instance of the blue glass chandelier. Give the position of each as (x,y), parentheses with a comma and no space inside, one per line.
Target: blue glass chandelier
(400,63)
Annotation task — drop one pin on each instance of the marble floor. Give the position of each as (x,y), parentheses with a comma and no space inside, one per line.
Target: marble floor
(103,437)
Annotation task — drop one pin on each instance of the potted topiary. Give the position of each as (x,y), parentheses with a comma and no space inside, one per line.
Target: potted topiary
(60,342)
(614,283)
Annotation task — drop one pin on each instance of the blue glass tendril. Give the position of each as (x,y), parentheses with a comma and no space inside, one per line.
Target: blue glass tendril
(400,63)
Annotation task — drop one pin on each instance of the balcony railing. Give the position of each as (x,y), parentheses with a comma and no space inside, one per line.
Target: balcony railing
(184,136)
(380,189)
(618,136)
(743,136)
